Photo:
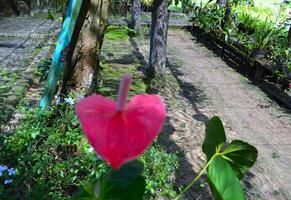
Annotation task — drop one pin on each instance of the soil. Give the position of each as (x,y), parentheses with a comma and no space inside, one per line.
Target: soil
(198,85)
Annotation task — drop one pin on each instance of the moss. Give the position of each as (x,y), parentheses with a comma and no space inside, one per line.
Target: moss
(117,33)
(112,75)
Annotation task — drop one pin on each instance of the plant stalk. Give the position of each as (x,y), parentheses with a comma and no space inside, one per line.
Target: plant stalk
(196,178)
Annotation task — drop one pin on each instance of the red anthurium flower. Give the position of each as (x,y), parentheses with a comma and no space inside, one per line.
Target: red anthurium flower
(119,132)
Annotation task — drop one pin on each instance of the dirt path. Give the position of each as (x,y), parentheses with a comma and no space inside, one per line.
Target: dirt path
(200,85)
(211,87)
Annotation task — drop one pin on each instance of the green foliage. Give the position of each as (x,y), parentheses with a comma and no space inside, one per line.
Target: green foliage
(226,163)
(241,156)
(263,34)
(43,69)
(223,181)
(117,33)
(159,168)
(251,29)
(209,18)
(125,183)
(52,156)
(214,138)
(8,80)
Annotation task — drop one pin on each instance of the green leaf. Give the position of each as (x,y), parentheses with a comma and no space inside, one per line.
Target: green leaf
(214,138)
(34,134)
(241,155)
(125,184)
(224,183)
(87,193)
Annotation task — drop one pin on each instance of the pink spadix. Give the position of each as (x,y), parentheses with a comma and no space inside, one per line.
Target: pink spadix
(120,132)
(123,93)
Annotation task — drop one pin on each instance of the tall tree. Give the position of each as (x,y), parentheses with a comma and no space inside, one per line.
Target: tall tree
(158,40)
(83,68)
(135,19)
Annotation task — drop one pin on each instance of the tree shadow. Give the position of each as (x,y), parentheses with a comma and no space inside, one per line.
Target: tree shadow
(185,173)
(193,94)
(11,45)
(138,54)
(124,59)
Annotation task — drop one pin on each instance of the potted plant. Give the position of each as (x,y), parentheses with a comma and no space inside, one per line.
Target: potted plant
(263,34)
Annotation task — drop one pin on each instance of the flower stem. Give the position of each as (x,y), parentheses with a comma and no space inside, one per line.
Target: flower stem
(123,93)
(196,178)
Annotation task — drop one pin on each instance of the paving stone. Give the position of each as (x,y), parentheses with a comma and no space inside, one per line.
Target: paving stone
(24,41)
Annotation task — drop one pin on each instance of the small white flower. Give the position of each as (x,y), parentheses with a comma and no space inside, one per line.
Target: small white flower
(69,101)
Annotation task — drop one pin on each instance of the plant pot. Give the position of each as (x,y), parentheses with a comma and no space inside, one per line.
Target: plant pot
(259,53)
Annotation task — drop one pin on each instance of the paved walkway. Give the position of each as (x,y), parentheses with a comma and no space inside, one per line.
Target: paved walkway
(22,40)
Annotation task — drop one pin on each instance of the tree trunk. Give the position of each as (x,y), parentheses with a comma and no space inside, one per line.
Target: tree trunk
(135,19)
(158,42)
(83,70)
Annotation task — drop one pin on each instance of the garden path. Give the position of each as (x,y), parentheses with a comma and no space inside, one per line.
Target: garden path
(246,111)
(23,43)
(199,85)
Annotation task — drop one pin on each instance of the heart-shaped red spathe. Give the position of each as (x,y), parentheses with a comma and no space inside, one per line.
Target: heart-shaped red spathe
(120,136)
